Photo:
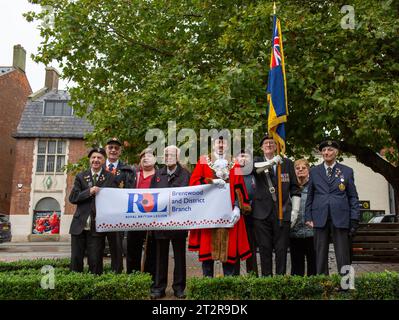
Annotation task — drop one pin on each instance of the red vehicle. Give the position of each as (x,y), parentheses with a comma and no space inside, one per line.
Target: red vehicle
(5,228)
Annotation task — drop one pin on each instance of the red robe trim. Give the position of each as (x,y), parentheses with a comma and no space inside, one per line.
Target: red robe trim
(201,239)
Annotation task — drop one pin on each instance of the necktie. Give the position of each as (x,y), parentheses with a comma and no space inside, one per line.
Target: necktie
(111,167)
(329,172)
(95,178)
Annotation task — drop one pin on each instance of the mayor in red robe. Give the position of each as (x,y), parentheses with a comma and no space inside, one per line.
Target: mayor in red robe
(228,245)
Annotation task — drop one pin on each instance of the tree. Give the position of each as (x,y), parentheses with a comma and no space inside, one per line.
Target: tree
(204,64)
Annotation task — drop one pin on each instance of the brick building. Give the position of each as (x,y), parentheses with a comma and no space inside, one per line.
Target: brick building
(48,136)
(14,91)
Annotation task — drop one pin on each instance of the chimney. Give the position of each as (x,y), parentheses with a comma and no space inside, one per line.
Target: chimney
(19,57)
(51,81)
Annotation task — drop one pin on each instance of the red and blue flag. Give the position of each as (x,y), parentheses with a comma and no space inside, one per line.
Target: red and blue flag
(277,89)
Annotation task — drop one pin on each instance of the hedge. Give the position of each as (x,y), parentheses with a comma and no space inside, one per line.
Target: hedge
(21,280)
(33,264)
(369,286)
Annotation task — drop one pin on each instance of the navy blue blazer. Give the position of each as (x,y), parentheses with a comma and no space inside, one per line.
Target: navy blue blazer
(338,195)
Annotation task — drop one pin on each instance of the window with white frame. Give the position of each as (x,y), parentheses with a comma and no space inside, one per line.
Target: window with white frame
(50,156)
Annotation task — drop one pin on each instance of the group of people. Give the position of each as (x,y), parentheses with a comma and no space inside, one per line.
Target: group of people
(318,204)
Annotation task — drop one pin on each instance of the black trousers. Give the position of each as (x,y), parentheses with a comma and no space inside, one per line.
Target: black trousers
(251,262)
(341,242)
(302,249)
(115,248)
(94,245)
(135,241)
(162,261)
(270,235)
(229,269)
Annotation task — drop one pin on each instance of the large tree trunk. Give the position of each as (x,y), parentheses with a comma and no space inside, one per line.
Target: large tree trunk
(374,161)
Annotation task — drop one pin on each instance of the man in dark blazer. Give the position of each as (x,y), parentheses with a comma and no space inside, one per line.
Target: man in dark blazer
(83,226)
(332,207)
(171,176)
(270,233)
(125,177)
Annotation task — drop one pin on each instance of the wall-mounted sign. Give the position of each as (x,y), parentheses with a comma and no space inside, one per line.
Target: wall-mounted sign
(364,204)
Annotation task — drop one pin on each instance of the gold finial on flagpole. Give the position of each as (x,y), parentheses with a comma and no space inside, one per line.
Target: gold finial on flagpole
(274,7)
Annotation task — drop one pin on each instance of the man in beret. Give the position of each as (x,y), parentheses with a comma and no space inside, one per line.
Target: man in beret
(83,226)
(270,233)
(125,177)
(332,207)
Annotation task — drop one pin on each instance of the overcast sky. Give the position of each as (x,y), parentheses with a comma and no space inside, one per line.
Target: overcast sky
(14,29)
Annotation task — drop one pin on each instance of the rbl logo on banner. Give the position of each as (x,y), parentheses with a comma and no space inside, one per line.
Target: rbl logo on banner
(143,203)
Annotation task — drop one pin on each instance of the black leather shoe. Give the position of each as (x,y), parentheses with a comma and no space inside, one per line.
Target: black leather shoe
(157,295)
(180,295)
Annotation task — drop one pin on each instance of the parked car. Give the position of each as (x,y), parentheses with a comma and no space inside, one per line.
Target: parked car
(5,228)
(386,218)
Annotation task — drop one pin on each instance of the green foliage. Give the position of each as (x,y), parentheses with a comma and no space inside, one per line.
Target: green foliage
(204,64)
(21,281)
(33,264)
(122,287)
(366,216)
(376,286)
(74,168)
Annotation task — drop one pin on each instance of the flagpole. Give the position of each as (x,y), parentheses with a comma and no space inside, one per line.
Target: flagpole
(280,191)
(274,134)
(279,183)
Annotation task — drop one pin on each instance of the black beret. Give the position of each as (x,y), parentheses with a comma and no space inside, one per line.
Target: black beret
(114,140)
(265,137)
(98,150)
(329,143)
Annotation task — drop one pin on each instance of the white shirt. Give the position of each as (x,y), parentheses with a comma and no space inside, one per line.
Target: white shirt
(326,167)
(98,173)
(107,163)
(170,172)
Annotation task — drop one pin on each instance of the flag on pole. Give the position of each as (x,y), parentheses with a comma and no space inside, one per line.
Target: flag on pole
(277,89)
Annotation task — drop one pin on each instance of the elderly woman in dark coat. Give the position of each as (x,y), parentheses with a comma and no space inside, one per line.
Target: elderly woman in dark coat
(301,235)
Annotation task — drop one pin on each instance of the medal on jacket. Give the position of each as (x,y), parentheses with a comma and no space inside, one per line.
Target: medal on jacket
(88,180)
(338,174)
(341,186)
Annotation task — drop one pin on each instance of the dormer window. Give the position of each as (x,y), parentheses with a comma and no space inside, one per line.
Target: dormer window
(57,108)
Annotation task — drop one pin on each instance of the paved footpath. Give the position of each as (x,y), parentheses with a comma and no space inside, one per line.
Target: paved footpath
(33,250)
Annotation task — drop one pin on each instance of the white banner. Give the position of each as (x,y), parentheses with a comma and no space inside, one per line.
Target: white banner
(196,207)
